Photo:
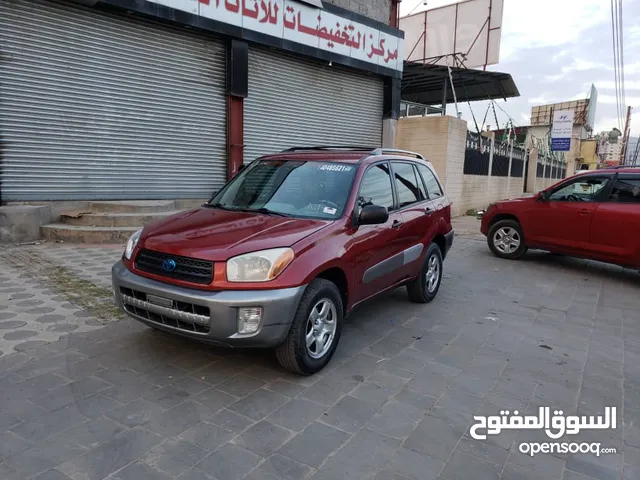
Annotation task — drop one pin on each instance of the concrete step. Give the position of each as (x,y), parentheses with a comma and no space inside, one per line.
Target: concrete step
(84,234)
(132,206)
(113,219)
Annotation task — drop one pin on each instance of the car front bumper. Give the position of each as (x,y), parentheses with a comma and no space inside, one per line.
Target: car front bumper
(210,316)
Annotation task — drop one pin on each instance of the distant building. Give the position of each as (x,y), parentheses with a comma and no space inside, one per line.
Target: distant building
(610,147)
(631,149)
(578,157)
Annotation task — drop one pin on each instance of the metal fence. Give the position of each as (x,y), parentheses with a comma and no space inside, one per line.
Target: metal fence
(478,154)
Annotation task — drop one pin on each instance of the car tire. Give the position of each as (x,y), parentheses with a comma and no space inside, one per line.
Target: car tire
(515,246)
(294,354)
(424,288)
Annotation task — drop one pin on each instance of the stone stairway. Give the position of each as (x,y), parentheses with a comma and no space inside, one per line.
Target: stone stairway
(112,221)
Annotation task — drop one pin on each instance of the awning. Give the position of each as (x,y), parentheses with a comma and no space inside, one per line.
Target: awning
(424,84)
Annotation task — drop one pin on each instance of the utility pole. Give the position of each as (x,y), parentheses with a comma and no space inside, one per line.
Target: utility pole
(625,137)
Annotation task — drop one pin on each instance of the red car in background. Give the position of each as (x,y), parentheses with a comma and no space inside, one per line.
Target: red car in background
(594,215)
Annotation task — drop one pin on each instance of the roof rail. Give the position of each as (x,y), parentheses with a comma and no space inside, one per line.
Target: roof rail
(383,151)
(328,147)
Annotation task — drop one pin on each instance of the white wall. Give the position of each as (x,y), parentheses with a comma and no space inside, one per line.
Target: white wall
(480,191)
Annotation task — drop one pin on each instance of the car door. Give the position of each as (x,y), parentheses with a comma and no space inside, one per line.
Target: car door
(563,220)
(418,213)
(438,201)
(615,229)
(377,248)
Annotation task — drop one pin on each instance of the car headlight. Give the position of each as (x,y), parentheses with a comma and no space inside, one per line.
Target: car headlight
(259,266)
(131,244)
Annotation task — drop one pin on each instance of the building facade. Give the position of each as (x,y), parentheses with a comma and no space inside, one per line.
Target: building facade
(159,99)
(583,118)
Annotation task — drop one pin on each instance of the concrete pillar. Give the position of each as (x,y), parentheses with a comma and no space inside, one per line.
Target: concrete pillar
(389,132)
(533,170)
(493,145)
(510,163)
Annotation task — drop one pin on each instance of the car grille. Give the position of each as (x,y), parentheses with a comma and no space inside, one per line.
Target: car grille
(172,313)
(186,269)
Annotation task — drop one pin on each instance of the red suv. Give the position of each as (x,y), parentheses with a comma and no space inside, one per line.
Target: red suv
(286,249)
(593,215)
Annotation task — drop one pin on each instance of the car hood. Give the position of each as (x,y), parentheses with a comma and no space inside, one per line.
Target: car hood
(516,201)
(217,235)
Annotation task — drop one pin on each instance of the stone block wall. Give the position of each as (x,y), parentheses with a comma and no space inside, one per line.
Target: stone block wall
(442,141)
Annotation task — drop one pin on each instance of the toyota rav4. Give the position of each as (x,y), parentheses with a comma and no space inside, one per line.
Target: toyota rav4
(290,246)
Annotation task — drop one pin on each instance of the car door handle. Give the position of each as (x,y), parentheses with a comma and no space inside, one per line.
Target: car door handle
(428,211)
(584,212)
(396,224)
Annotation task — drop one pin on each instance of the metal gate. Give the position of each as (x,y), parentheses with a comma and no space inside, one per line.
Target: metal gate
(104,106)
(297,102)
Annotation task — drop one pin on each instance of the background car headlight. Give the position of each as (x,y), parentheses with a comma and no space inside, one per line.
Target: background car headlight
(131,244)
(259,266)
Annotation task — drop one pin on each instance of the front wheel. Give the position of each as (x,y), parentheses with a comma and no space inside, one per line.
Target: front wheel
(315,331)
(424,288)
(506,240)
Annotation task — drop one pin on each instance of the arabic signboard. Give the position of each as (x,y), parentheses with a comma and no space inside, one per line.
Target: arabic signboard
(303,24)
(561,130)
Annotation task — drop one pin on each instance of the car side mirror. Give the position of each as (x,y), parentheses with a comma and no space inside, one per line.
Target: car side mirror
(373,215)
(543,196)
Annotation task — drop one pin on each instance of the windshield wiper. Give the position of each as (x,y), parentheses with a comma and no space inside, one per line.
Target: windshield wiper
(264,210)
(219,205)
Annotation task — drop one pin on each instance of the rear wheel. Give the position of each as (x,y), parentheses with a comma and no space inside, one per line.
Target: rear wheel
(315,331)
(424,288)
(506,240)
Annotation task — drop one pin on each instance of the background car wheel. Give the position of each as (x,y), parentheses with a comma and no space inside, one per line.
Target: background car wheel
(315,331)
(506,240)
(425,288)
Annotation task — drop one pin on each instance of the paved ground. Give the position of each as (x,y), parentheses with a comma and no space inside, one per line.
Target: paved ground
(114,400)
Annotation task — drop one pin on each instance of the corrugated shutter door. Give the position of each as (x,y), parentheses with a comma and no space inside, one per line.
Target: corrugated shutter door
(298,102)
(102,106)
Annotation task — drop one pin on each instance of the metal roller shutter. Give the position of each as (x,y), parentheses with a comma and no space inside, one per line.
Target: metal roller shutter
(104,106)
(298,102)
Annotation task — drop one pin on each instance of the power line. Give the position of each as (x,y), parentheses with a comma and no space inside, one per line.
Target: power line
(621,56)
(422,3)
(618,58)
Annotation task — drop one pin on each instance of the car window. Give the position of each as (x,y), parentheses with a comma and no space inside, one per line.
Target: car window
(580,189)
(375,187)
(421,185)
(407,184)
(625,190)
(430,180)
(314,189)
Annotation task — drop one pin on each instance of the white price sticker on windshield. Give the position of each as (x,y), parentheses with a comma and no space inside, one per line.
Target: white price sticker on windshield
(336,168)
(329,210)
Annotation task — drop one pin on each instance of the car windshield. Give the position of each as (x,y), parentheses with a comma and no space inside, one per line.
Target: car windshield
(311,189)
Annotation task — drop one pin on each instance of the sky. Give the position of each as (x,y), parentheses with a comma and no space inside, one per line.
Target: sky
(555,50)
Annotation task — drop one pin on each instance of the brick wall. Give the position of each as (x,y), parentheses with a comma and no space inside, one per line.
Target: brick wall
(376,9)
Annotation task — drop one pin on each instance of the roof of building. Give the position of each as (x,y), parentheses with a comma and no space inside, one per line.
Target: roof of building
(423,84)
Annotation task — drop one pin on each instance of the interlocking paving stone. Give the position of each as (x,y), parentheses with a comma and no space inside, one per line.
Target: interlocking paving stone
(122,401)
